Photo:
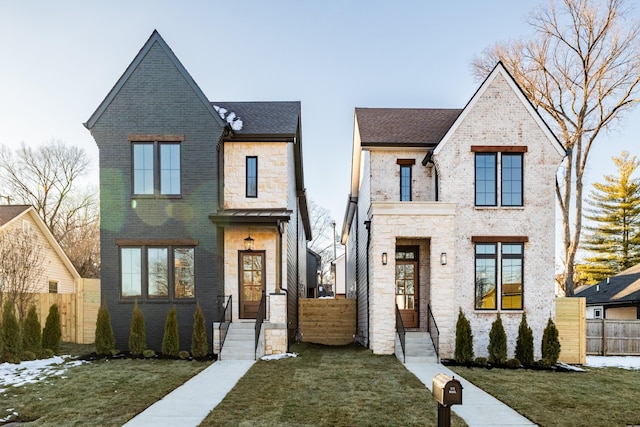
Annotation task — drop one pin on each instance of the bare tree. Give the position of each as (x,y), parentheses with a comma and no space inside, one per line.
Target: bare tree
(324,241)
(21,267)
(49,177)
(581,71)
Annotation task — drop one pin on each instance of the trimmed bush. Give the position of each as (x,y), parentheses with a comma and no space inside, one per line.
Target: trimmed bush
(105,341)
(199,345)
(481,361)
(52,332)
(171,340)
(464,339)
(514,363)
(550,343)
(28,355)
(137,334)
(524,344)
(149,354)
(497,343)
(47,353)
(32,333)
(11,340)
(184,354)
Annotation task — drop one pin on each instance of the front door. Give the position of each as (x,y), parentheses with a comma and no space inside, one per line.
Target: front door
(251,283)
(407,285)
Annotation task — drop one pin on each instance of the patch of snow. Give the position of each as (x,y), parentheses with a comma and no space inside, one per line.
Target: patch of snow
(10,416)
(29,372)
(569,367)
(625,362)
(231,118)
(279,356)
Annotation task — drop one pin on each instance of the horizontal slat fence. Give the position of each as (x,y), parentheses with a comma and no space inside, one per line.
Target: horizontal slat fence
(327,321)
(612,337)
(570,321)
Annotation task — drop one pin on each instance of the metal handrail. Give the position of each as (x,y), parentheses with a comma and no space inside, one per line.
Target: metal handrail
(225,320)
(401,333)
(434,333)
(262,311)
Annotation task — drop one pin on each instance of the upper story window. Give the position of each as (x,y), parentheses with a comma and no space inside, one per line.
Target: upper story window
(157,166)
(405,178)
(508,162)
(252,176)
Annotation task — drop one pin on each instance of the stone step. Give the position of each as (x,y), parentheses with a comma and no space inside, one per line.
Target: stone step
(239,343)
(418,348)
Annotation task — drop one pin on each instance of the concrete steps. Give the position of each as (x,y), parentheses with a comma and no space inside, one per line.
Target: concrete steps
(240,342)
(418,347)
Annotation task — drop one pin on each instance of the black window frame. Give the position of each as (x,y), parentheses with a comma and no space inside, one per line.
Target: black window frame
(499,256)
(485,181)
(157,169)
(486,256)
(406,197)
(251,191)
(507,256)
(503,181)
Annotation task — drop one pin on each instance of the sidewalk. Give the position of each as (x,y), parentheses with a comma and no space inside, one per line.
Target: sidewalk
(190,403)
(478,407)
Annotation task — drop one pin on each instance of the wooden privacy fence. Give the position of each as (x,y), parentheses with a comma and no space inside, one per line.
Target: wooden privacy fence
(609,337)
(78,312)
(571,324)
(327,321)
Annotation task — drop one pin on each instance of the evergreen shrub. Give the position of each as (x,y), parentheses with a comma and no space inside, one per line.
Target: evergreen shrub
(105,341)
(11,339)
(199,345)
(464,339)
(52,332)
(497,343)
(137,334)
(32,332)
(550,343)
(524,344)
(171,340)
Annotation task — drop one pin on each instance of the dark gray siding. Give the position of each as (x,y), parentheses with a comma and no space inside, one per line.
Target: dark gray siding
(157,99)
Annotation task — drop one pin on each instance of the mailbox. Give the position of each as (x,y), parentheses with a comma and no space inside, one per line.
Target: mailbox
(446,390)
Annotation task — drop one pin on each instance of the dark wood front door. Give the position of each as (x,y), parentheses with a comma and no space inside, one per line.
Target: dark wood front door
(251,283)
(407,285)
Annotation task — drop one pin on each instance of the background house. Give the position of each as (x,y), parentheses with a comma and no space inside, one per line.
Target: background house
(616,297)
(452,209)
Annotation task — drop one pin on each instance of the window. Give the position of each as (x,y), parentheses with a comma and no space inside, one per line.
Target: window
(53,287)
(509,283)
(509,162)
(148,178)
(252,176)
(168,272)
(405,183)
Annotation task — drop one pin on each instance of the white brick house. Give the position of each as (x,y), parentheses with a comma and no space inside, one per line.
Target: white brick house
(449,209)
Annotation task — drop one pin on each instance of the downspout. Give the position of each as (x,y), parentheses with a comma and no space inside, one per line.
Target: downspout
(368,225)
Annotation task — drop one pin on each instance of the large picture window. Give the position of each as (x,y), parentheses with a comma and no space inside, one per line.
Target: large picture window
(502,165)
(156,168)
(169,272)
(505,282)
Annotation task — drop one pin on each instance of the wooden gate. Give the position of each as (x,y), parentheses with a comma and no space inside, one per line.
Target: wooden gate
(327,321)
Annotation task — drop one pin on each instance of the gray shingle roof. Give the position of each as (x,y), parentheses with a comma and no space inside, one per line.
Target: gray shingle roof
(9,212)
(622,288)
(404,126)
(264,118)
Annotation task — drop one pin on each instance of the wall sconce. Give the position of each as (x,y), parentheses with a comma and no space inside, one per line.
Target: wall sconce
(248,243)
(443,258)
(384,258)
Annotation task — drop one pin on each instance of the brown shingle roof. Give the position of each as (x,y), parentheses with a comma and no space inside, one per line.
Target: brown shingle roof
(8,212)
(404,126)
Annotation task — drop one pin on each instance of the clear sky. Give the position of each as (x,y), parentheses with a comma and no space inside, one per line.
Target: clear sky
(58,60)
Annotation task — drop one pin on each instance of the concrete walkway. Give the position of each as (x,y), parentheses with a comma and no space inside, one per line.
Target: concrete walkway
(190,403)
(478,407)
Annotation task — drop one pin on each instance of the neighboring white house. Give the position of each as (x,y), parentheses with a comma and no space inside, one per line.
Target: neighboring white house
(452,209)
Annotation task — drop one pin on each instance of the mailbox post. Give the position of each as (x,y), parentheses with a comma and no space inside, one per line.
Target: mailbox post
(447,391)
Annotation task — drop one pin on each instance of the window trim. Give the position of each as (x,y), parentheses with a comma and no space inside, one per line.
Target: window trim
(249,194)
(157,144)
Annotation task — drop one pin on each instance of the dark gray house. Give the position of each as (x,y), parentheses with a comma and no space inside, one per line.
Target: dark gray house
(616,297)
(169,222)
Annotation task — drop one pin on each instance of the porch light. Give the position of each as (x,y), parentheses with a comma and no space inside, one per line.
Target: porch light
(443,258)
(384,258)
(248,243)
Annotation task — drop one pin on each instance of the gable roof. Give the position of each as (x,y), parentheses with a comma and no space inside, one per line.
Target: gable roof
(11,213)
(622,288)
(154,39)
(500,70)
(263,118)
(422,127)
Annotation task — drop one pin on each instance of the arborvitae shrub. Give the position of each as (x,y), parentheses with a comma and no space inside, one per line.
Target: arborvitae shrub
(497,343)
(52,332)
(524,344)
(550,343)
(31,332)
(171,340)
(137,334)
(105,341)
(11,340)
(199,343)
(464,339)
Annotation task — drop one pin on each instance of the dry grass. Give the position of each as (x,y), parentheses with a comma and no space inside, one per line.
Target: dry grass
(328,386)
(599,397)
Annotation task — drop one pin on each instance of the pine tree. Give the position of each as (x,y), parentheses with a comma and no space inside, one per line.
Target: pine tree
(524,343)
(171,340)
(11,340)
(105,341)
(614,209)
(497,343)
(464,339)
(550,343)
(137,333)
(32,332)
(199,345)
(52,332)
